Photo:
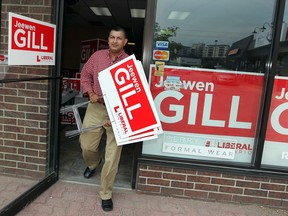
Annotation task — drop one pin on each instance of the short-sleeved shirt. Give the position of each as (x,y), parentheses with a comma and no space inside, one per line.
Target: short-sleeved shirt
(99,61)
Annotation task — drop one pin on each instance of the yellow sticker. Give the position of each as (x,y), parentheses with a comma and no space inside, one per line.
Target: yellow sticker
(159,68)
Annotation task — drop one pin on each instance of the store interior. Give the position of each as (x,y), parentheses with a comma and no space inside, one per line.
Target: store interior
(72,164)
(82,22)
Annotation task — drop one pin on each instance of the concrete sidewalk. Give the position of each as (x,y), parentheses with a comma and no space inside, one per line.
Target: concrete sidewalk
(74,199)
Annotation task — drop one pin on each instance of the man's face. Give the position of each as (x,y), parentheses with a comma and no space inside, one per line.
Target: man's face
(116,41)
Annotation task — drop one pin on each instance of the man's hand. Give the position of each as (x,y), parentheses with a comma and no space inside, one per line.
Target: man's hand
(93,97)
(107,123)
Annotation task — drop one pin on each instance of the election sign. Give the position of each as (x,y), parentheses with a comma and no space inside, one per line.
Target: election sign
(31,42)
(129,102)
(88,47)
(276,147)
(205,113)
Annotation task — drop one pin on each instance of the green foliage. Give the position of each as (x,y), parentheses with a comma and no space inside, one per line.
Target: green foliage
(166,35)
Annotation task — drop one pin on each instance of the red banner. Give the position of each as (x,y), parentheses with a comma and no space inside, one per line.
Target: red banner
(277,128)
(207,101)
(88,47)
(32,36)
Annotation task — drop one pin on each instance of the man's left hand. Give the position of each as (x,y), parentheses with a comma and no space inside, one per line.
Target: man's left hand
(107,123)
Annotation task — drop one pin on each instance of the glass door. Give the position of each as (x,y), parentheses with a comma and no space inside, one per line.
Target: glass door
(29,107)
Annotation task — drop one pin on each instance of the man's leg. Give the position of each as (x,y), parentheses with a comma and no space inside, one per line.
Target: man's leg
(90,140)
(110,167)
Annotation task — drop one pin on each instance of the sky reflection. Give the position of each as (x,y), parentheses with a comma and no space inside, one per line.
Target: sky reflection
(226,21)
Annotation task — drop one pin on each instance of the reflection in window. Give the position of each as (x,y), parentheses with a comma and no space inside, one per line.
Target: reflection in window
(224,34)
(215,35)
(282,64)
(275,152)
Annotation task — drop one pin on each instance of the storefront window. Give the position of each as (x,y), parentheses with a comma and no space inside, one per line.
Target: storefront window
(206,77)
(275,151)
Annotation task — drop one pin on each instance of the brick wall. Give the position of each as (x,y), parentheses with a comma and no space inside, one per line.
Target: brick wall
(24,106)
(212,186)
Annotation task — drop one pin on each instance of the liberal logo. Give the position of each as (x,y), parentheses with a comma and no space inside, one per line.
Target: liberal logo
(44,58)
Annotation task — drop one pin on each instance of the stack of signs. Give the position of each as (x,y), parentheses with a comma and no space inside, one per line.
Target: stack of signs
(129,102)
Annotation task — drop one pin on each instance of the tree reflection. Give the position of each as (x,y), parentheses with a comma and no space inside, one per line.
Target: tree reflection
(166,35)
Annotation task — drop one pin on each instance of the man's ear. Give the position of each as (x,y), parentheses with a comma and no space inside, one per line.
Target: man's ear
(126,41)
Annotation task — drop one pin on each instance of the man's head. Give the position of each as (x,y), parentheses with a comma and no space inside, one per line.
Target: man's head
(117,39)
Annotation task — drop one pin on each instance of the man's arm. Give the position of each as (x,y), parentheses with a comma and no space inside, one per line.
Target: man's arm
(86,78)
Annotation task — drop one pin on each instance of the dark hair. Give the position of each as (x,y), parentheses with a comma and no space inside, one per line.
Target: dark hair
(119,28)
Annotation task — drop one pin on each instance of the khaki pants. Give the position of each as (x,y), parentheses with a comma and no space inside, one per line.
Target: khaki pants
(96,114)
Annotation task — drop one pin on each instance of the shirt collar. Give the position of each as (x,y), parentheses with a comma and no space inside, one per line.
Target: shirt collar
(117,57)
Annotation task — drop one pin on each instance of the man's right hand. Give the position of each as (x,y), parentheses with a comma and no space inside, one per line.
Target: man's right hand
(93,97)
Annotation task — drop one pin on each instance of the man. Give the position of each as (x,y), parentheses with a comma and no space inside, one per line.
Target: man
(96,114)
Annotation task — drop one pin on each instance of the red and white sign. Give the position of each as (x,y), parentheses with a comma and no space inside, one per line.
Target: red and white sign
(276,147)
(206,112)
(3,59)
(277,128)
(88,47)
(129,101)
(68,118)
(31,42)
(69,84)
(204,105)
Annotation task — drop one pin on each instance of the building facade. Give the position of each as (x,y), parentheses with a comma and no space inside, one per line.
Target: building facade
(221,98)
(213,148)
